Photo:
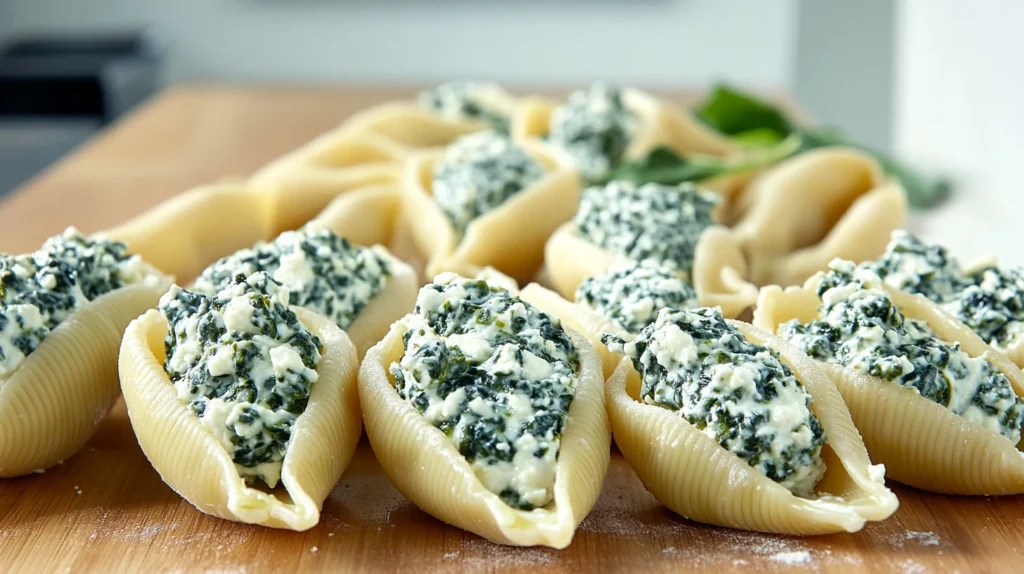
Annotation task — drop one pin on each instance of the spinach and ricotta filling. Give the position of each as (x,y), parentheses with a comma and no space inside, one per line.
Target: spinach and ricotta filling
(861,328)
(460,101)
(649,221)
(739,394)
(497,376)
(631,296)
(322,271)
(988,299)
(245,365)
(40,290)
(595,126)
(478,173)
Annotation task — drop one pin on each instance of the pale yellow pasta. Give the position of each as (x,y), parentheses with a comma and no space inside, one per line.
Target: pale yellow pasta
(425,466)
(718,275)
(198,467)
(509,238)
(365,216)
(660,125)
(186,233)
(306,180)
(808,210)
(920,442)
(409,126)
(690,473)
(53,402)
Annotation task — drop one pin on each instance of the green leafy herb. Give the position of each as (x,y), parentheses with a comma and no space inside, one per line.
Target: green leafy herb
(753,122)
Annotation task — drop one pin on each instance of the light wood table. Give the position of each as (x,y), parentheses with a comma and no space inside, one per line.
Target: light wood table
(107,510)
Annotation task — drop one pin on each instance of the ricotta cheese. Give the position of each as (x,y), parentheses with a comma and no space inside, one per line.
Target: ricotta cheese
(497,376)
(461,101)
(861,328)
(988,299)
(245,365)
(650,221)
(594,126)
(739,394)
(631,296)
(322,271)
(40,290)
(478,173)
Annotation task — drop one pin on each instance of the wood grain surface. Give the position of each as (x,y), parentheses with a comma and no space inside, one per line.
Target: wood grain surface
(107,510)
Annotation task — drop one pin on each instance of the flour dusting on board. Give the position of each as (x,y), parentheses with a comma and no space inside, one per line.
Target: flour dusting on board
(477,554)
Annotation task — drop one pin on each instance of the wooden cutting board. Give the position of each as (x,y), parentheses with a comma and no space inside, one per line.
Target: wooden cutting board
(106,509)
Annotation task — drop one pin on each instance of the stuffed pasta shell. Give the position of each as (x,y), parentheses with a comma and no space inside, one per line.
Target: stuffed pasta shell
(62,311)
(486,201)
(985,297)
(673,225)
(246,407)
(935,404)
(488,414)
(184,234)
(621,301)
(361,289)
(728,425)
(438,116)
(807,210)
(603,125)
(306,180)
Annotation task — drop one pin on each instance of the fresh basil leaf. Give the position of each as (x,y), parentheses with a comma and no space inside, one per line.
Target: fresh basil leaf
(662,165)
(733,112)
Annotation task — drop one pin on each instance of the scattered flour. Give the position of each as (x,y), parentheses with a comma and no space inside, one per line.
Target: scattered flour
(314,550)
(912,567)
(797,558)
(923,538)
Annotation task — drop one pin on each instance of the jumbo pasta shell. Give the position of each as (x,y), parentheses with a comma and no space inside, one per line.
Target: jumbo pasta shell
(306,180)
(719,267)
(660,124)
(193,463)
(186,233)
(808,210)
(578,318)
(695,477)
(509,238)
(366,216)
(425,466)
(409,126)
(920,442)
(52,404)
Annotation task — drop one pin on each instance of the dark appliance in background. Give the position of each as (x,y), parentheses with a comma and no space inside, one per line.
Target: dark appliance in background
(56,90)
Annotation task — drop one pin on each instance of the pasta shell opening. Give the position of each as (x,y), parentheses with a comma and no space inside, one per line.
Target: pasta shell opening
(808,210)
(695,477)
(719,268)
(195,465)
(920,442)
(510,237)
(423,463)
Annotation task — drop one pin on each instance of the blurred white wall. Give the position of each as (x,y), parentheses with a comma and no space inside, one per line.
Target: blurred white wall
(647,42)
(958,108)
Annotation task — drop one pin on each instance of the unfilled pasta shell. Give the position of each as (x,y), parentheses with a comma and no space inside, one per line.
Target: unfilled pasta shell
(409,126)
(509,238)
(306,180)
(920,442)
(193,463)
(692,475)
(51,405)
(425,466)
(719,267)
(186,233)
(660,124)
(578,318)
(808,210)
